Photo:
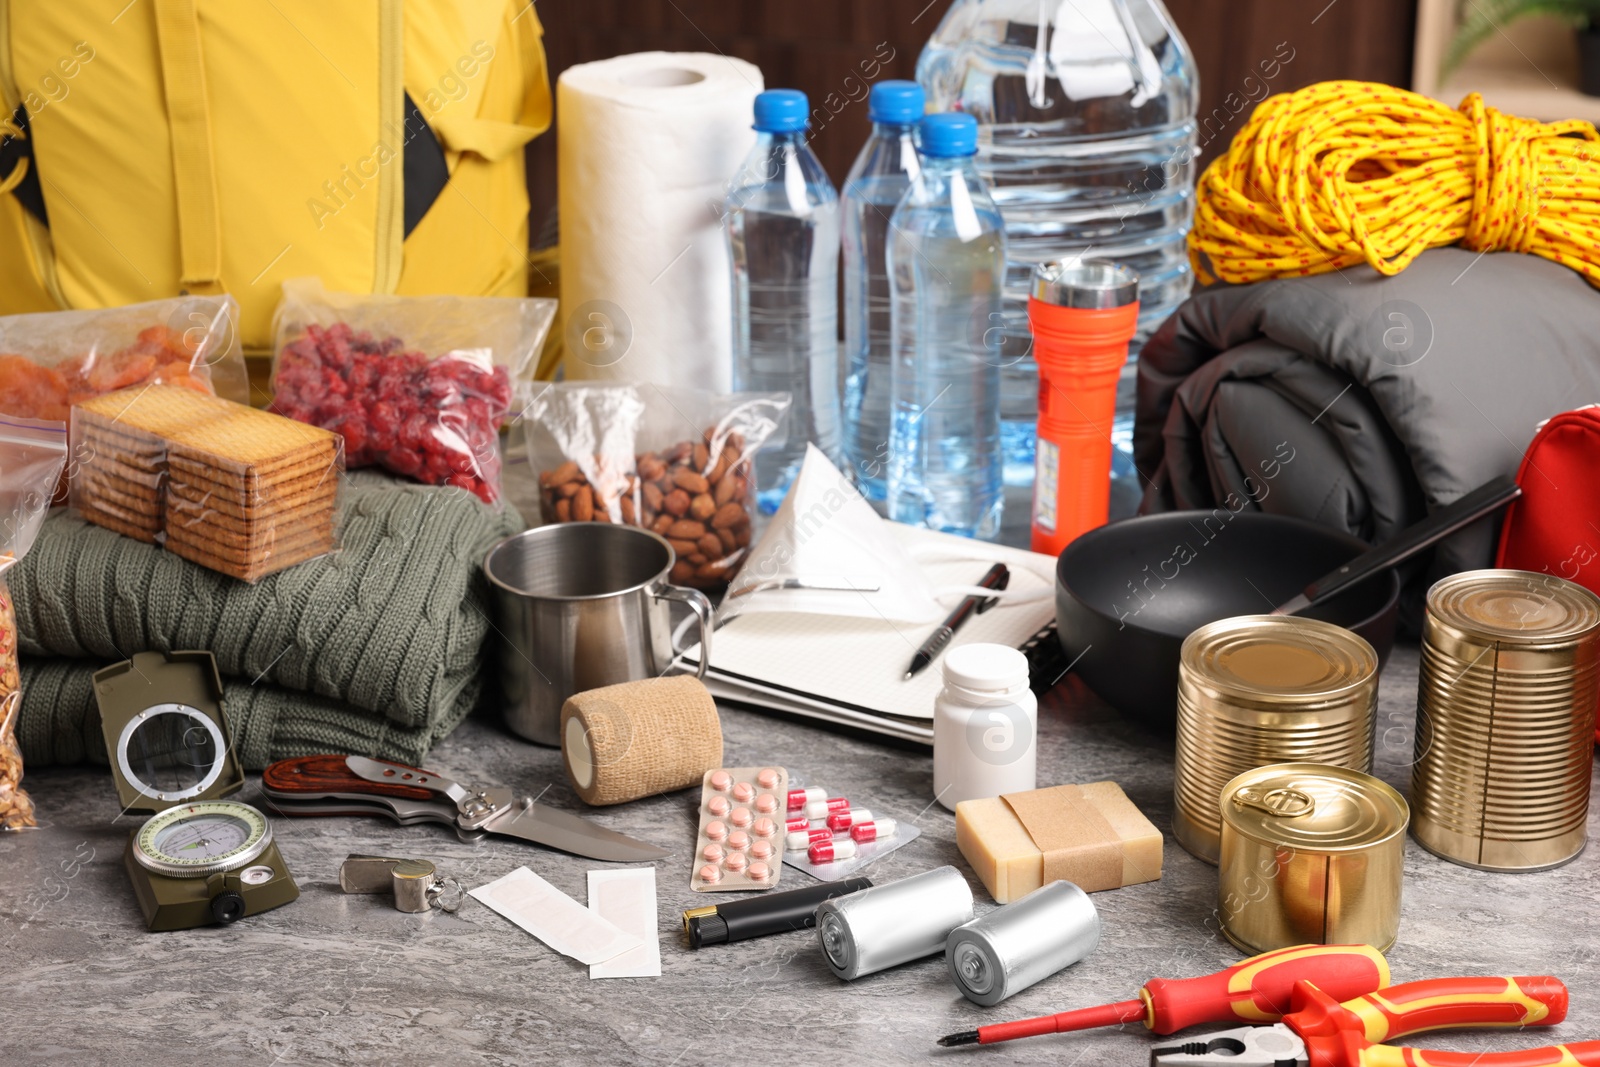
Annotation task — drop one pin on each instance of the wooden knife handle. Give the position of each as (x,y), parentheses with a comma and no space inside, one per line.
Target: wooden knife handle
(328,774)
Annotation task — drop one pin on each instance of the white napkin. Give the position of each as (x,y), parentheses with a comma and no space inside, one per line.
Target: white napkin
(826,532)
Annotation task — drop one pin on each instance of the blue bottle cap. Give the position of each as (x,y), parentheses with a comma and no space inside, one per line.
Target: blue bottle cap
(895,101)
(948,135)
(781,111)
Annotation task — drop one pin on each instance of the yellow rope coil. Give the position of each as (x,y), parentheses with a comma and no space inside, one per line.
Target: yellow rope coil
(1343,173)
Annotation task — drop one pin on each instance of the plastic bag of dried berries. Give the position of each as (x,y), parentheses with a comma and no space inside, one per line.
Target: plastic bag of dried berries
(418,385)
(33,453)
(674,461)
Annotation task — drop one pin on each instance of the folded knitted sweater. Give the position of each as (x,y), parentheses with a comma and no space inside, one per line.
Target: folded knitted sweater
(388,631)
(60,723)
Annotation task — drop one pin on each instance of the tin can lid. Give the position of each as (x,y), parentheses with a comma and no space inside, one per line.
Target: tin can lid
(1278,659)
(1315,807)
(1514,606)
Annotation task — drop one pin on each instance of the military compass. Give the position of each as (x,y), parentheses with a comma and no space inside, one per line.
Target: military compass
(199,859)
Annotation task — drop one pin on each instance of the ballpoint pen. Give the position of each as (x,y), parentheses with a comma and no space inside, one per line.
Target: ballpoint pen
(997,578)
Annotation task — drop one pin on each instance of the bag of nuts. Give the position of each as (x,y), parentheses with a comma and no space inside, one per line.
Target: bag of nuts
(674,461)
(33,453)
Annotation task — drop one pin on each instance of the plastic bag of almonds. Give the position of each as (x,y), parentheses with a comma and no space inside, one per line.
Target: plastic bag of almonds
(33,453)
(674,461)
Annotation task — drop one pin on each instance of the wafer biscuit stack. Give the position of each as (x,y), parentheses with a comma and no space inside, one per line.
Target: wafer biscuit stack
(240,491)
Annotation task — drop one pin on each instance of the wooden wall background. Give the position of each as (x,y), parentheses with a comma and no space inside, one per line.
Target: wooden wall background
(815,44)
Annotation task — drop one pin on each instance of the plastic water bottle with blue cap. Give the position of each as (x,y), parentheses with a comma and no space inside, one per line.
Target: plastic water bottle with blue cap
(947,262)
(782,222)
(880,177)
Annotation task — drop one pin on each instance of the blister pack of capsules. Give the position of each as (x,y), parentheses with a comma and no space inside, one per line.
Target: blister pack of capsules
(828,839)
(740,844)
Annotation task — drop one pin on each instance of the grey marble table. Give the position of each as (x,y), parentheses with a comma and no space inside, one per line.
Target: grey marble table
(341,979)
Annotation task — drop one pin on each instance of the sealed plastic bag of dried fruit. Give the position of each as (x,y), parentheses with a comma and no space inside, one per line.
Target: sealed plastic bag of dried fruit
(33,453)
(418,385)
(54,359)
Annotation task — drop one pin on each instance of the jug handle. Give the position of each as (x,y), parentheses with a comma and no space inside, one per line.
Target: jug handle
(697,603)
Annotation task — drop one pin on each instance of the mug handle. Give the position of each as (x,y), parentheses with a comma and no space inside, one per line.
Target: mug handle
(697,603)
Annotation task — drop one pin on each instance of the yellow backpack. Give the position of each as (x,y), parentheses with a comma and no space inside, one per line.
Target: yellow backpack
(160,147)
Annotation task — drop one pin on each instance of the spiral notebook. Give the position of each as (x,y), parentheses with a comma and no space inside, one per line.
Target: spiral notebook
(850,671)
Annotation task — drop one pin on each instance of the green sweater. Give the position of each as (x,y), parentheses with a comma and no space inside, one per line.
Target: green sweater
(377,648)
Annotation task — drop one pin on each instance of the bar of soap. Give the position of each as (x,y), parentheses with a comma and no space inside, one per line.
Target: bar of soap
(1088,834)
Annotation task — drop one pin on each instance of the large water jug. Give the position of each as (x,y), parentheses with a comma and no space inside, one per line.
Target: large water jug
(1087,140)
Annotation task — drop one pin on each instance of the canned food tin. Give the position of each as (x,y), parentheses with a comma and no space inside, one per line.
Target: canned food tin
(1262,689)
(1505,719)
(1311,854)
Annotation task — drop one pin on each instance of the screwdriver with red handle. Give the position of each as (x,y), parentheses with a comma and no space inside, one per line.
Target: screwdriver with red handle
(1258,990)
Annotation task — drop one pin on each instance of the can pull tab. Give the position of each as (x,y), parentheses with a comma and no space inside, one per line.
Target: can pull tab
(1280,803)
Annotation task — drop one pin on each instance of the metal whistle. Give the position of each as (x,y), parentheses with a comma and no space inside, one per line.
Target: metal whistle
(415,884)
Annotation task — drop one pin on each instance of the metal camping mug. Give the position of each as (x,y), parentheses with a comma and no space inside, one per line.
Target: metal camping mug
(579,605)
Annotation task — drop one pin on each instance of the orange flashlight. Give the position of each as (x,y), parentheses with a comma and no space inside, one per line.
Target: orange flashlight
(1083,314)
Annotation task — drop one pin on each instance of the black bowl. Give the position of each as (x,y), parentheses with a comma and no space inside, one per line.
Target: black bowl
(1128,594)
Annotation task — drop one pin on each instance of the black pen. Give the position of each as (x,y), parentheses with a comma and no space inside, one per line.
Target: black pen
(997,578)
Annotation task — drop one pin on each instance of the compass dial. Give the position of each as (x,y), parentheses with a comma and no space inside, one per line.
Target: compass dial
(202,838)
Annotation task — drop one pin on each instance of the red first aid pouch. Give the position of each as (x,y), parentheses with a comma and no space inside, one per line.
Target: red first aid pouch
(1554,528)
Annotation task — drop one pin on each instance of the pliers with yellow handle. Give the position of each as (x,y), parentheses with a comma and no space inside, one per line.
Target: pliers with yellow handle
(1321,1032)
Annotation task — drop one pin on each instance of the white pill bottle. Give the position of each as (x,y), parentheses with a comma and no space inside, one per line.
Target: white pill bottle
(985,725)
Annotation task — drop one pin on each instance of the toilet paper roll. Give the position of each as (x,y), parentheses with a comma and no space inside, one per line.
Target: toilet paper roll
(646,145)
(633,740)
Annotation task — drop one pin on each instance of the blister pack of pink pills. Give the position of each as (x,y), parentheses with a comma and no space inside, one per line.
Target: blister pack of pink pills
(740,844)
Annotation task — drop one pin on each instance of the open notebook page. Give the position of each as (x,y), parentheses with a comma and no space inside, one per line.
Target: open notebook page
(862,662)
